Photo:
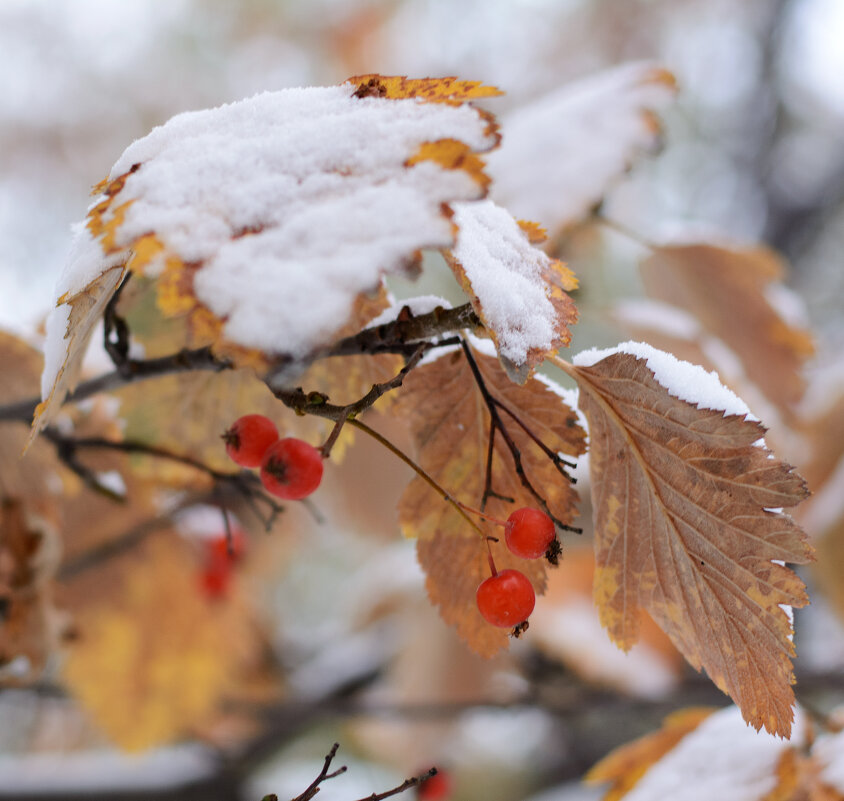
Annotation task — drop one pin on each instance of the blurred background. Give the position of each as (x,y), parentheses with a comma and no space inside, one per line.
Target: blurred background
(753,152)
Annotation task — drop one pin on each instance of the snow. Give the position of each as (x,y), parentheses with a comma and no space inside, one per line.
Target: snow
(293,202)
(683,380)
(722,758)
(422,304)
(829,752)
(506,275)
(104,769)
(560,153)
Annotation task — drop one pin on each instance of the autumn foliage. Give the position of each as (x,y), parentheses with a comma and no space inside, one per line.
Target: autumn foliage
(246,253)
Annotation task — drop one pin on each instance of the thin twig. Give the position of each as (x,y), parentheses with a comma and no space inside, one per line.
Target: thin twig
(446,496)
(415,781)
(313,788)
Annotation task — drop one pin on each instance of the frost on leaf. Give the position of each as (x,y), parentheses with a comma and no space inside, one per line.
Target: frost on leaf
(734,294)
(682,498)
(262,220)
(519,293)
(561,153)
(451,428)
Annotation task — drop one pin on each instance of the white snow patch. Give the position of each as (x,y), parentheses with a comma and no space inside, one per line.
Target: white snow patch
(560,153)
(423,304)
(293,201)
(722,758)
(112,480)
(203,521)
(683,380)
(104,769)
(661,317)
(829,751)
(506,274)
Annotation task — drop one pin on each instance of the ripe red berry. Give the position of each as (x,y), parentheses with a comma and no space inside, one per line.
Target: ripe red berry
(291,469)
(506,599)
(248,438)
(435,788)
(529,532)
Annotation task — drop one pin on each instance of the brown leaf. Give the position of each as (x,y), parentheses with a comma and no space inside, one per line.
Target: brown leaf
(627,764)
(683,529)
(451,425)
(728,290)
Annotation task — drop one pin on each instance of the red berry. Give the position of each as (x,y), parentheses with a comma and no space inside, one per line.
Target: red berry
(506,599)
(291,469)
(435,788)
(215,578)
(529,532)
(248,439)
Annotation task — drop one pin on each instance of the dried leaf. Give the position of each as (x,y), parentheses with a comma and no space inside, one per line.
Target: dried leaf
(451,426)
(449,90)
(729,291)
(69,327)
(153,659)
(626,765)
(240,212)
(518,291)
(682,501)
(562,153)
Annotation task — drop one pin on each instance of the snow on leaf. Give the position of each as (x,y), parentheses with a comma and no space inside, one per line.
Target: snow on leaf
(729,291)
(626,765)
(715,756)
(516,289)
(451,426)
(682,498)
(561,153)
(263,219)
(153,660)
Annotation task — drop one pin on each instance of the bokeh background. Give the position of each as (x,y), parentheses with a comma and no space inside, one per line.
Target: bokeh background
(754,152)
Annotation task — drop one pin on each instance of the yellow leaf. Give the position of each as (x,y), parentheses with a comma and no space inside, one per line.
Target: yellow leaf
(153,659)
(431,90)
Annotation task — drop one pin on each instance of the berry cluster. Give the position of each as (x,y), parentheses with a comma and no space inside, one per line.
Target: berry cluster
(290,468)
(506,599)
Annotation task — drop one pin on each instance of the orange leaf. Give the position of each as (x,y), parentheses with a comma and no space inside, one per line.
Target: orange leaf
(450,426)
(682,501)
(432,90)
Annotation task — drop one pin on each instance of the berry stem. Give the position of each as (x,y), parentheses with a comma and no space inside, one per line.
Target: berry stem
(447,497)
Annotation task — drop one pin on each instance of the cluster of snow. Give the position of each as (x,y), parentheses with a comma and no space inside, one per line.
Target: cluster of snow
(292,201)
(508,276)
(560,153)
(683,380)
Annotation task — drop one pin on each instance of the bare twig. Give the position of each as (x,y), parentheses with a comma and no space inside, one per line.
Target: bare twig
(324,775)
